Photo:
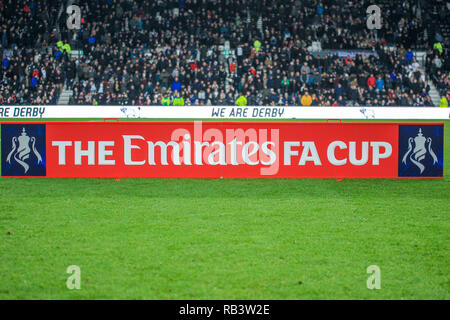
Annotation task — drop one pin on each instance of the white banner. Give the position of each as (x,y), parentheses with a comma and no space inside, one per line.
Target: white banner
(221,112)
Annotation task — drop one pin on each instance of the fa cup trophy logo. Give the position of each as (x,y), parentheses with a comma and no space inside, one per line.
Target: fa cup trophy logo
(421,145)
(21,152)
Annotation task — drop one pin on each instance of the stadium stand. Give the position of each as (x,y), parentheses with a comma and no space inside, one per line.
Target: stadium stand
(215,52)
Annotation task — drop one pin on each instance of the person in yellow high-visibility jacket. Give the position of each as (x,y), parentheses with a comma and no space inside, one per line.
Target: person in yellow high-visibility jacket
(241,101)
(257,45)
(178,101)
(444,102)
(438,46)
(165,101)
(67,48)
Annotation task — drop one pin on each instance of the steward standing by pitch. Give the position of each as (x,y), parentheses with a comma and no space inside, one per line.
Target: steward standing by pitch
(165,101)
(241,101)
(178,101)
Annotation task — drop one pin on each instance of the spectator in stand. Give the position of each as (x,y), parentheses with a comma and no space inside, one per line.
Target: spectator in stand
(371,81)
(380,83)
(306,100)
(176,85)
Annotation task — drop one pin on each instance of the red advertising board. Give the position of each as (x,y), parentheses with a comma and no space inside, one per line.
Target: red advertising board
(227,150)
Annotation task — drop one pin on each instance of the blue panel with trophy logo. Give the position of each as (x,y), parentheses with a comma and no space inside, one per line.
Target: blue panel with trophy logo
(23,150)
(421,150)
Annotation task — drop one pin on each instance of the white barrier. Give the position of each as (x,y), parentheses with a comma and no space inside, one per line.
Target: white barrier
(221,112)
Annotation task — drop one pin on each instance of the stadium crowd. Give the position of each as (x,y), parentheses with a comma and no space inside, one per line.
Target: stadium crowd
(29,73)
(178,52)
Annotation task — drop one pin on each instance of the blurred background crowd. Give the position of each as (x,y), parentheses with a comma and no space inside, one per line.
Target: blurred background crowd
(225,52)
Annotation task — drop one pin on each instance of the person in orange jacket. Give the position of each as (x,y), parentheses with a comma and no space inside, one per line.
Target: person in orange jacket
(306,100)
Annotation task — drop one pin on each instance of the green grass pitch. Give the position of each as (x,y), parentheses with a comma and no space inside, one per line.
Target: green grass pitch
(225,239)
